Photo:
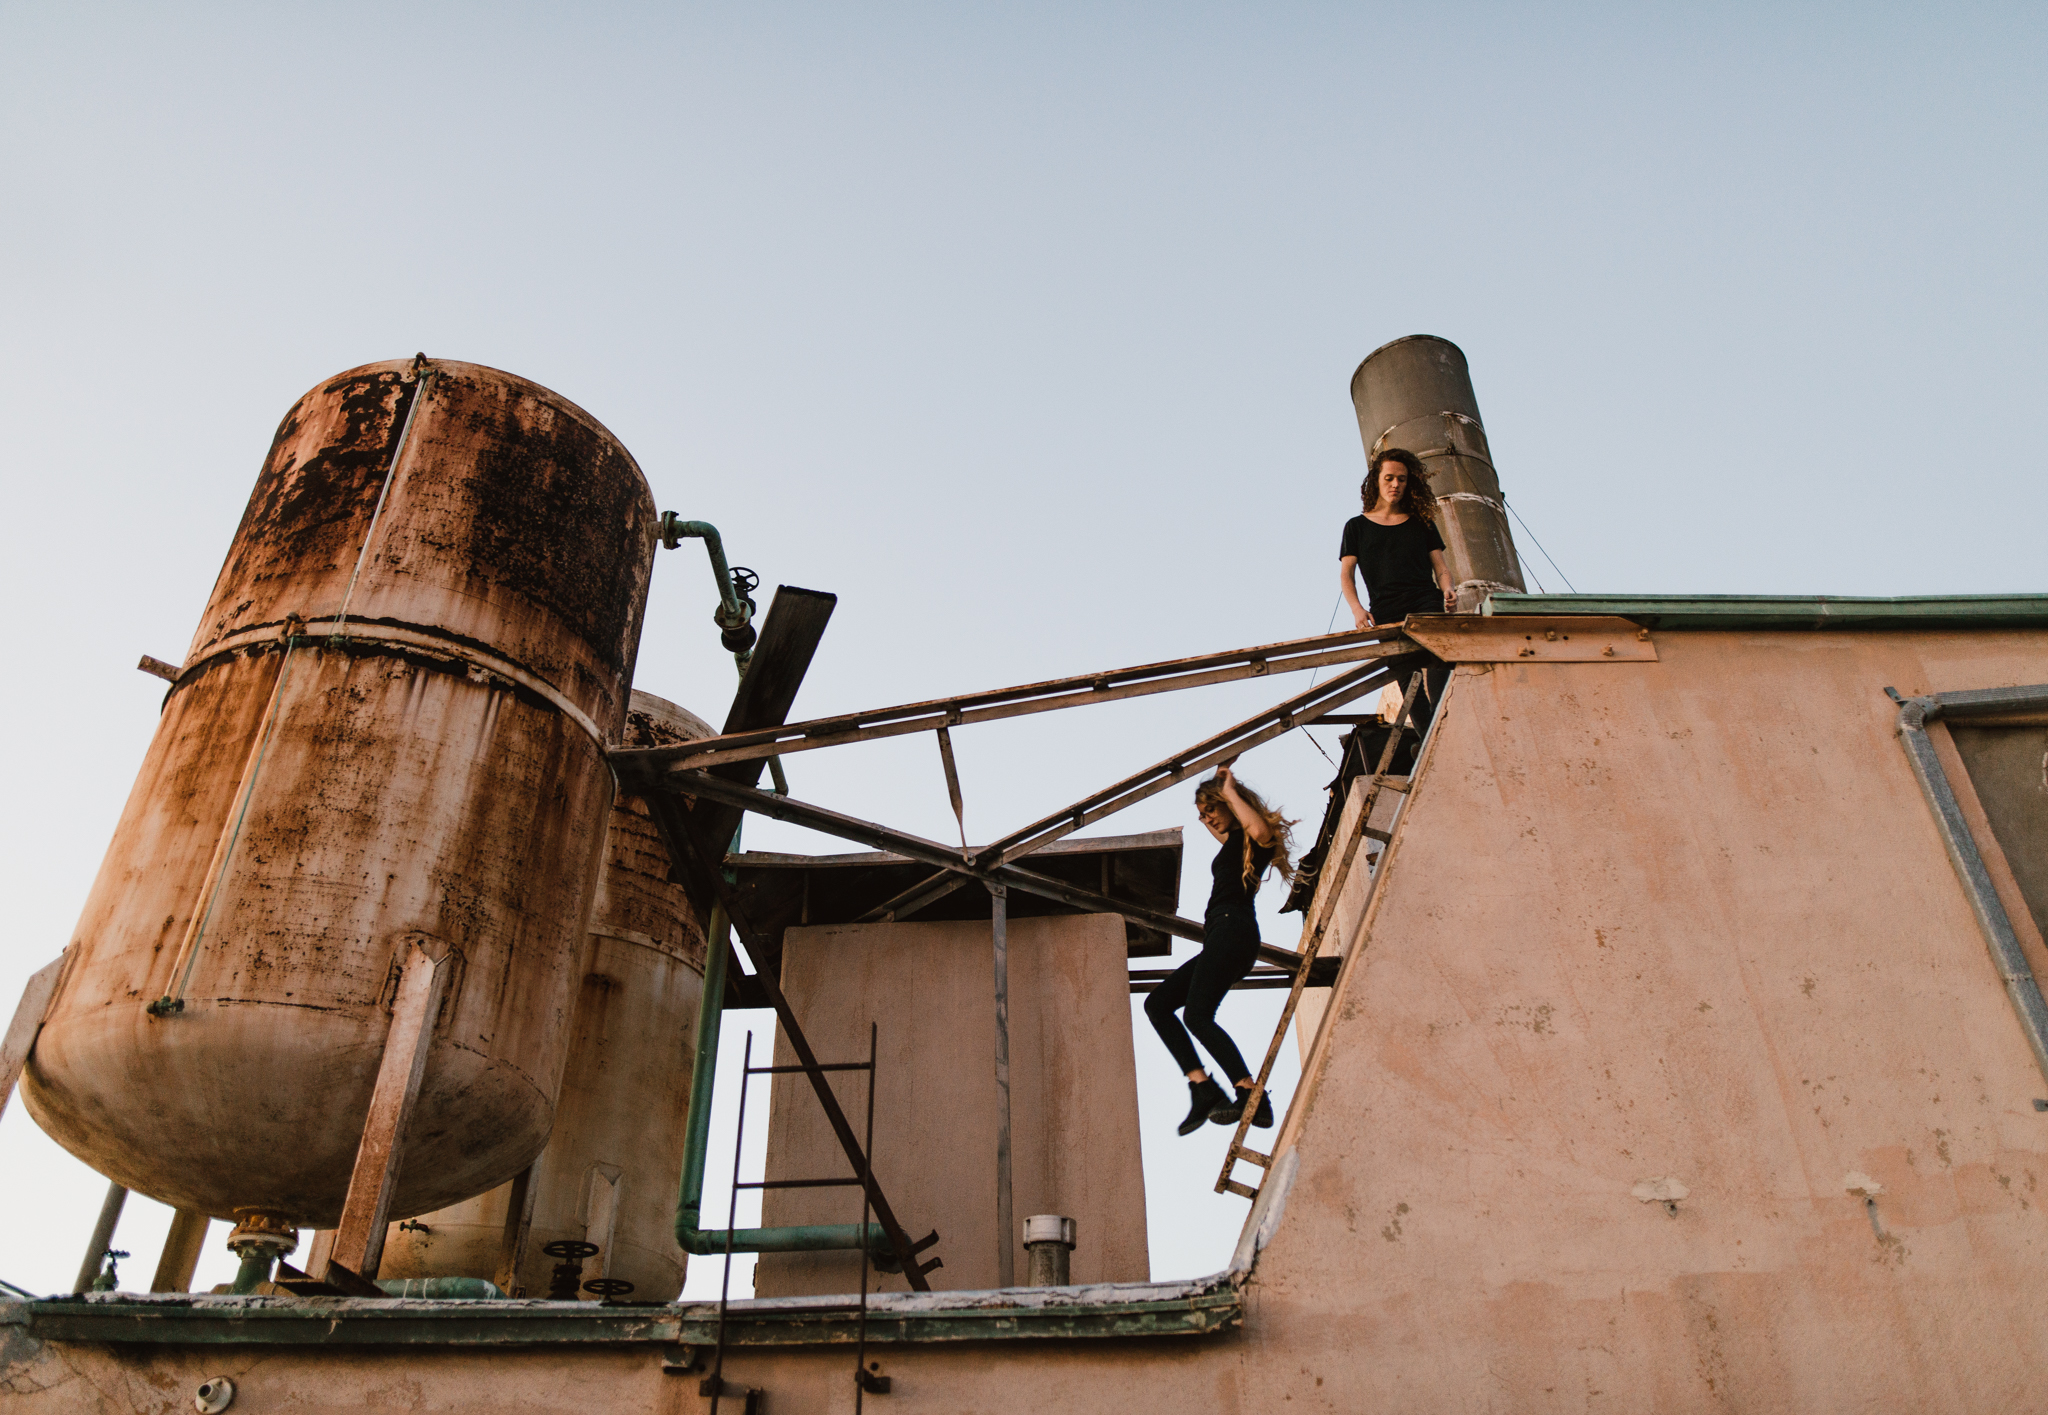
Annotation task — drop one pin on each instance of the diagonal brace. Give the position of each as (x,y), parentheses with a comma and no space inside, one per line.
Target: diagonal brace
(1299,710)
(914,847)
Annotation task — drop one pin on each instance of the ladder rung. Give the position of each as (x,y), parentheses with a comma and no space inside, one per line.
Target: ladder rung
(1236,1188)
(1380,835)
(1392,783)
(1262,1161)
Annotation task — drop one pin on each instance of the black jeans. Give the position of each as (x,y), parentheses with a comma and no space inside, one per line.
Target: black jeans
(1230,946)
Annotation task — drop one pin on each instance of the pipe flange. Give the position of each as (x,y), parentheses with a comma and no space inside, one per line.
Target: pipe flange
(263,1232)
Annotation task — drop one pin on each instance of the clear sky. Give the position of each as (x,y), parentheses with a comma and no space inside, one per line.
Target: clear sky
(1025,329)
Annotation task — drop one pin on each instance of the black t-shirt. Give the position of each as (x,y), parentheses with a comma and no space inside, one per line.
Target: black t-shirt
(1227,870)
(1399,579)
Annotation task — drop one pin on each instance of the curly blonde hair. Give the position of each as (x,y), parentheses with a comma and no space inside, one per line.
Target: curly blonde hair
(1210,793)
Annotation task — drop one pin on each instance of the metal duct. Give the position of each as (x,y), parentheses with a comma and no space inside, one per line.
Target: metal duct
(1416,393)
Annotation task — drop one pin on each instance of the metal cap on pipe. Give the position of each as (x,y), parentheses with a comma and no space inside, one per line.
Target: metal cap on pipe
(1049,1228)
(1049,1239)
(1416,393)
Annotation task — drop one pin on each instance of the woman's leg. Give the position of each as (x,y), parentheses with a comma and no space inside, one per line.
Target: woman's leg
(1229,954)
(1160,1005)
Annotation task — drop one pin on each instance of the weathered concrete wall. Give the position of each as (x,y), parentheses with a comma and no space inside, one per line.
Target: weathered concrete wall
(1073,1094)
(1683,921)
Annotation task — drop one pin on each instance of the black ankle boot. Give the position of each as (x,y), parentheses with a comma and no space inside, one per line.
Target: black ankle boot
(1203,1098)
(1262,1118)
(1230,1110)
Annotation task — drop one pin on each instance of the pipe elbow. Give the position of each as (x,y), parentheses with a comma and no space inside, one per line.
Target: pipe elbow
(675,530)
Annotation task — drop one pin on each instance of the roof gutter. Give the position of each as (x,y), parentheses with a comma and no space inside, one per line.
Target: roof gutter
(1791,611)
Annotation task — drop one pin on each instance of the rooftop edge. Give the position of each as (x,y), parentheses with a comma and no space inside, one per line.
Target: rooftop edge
(2023,611)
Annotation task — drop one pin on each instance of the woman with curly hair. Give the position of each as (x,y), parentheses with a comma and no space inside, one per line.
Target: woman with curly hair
(1395,546)
(1255,838)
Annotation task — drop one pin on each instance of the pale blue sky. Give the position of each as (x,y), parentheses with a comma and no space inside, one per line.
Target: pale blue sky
(1026,330)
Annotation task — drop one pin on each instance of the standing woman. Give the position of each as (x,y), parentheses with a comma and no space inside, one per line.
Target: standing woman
(1395,546)
(1254,838)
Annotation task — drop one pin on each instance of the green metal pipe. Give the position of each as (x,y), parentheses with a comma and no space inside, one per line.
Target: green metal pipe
(734,619)
(732,616)
(482,1289)
(254,1272)
(697,1131)
(674,532)
(706,1242)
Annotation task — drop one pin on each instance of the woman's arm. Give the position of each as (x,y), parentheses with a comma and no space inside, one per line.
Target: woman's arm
(1347,572)
(1444,581)
(1254,824)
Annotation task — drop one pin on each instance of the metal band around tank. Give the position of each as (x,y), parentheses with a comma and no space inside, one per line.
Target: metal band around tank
(479,661)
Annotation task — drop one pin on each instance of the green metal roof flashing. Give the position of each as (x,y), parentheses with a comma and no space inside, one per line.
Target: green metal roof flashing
(1716,611)
(1191,1309)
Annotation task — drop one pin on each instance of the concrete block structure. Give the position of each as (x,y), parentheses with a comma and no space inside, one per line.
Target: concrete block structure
(1073,1103)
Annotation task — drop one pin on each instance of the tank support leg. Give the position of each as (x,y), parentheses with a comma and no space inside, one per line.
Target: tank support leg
(359,1239)
(102,1238)
(182,1247)
(518,1224)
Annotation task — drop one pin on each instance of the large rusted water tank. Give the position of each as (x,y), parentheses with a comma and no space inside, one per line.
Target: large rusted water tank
(610,1172)
(391,727)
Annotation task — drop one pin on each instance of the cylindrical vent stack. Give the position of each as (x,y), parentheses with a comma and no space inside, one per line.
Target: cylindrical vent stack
(1416,394)
(608,1176)
(390,728)
(1049,1239)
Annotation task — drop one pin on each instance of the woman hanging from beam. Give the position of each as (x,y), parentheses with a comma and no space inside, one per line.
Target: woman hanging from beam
(1396,548)
(1255,838)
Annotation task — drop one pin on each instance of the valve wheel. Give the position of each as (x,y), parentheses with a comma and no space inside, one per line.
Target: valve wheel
(608,1287)
(570,1250)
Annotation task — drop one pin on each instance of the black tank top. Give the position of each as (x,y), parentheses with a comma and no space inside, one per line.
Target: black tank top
(1227,871)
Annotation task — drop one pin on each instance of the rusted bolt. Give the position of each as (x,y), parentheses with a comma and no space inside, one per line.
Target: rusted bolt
(1607,652)
(1550,634)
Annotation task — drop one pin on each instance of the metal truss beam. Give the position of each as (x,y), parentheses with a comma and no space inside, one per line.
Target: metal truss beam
(1081,690)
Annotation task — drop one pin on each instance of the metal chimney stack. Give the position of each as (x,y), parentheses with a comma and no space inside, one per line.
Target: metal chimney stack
(1416,393)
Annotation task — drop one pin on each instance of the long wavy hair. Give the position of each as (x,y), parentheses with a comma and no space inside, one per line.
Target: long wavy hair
(1210,793)
(1416,498)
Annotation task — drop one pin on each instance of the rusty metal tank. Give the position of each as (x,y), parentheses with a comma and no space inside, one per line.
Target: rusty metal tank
(391,726)
(610,1170)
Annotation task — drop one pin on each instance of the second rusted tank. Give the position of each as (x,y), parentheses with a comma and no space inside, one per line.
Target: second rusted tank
(390,728)
(608,1176)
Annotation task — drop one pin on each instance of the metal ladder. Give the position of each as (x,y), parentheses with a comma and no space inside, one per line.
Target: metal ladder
(865,1381)
(1313,933)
